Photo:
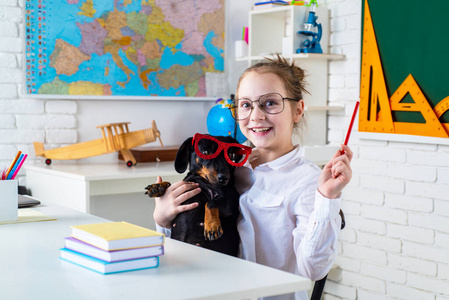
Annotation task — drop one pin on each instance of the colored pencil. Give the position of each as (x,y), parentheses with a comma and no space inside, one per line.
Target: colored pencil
(13,170)
(13,163)
(20,165)
(348,134)
(246,35)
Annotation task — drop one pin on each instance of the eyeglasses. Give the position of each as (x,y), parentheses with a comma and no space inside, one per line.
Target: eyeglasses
(208,147)
(272,104)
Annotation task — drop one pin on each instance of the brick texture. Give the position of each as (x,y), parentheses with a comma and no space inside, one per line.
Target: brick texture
(24,120)
(397,204)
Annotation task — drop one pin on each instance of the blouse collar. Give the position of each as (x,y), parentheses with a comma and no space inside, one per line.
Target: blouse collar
(280,162)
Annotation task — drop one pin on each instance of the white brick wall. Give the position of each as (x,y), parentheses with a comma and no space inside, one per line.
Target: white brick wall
(396,242)
(23,120)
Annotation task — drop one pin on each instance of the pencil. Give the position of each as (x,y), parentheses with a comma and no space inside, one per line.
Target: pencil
(19,166)
(13,170)
(13,163)
(348,134)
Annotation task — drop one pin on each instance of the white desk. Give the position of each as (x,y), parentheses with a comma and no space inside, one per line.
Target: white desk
(31,269)
(112,191)
(74,185)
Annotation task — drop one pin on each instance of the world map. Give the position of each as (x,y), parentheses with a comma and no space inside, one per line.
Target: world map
(123,47)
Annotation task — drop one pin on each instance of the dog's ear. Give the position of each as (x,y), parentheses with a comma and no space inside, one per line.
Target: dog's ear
(183,156)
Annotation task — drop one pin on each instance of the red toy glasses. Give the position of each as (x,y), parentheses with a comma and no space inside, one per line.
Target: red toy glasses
(208,147)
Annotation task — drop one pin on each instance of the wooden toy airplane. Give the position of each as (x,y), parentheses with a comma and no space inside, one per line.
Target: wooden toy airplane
(116,137)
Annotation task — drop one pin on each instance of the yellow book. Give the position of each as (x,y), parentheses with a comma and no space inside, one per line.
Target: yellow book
(117,235)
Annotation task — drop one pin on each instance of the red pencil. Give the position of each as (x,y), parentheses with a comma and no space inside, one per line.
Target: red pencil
(348,134)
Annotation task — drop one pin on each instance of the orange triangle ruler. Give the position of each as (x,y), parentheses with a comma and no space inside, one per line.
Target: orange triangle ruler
(376,107)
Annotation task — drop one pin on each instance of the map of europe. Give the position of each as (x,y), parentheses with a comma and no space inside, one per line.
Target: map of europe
(123,47)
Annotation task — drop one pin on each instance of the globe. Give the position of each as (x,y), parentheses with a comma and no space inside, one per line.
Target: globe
(220,122)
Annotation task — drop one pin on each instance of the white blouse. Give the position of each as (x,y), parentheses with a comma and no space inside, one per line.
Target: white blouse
(285,222)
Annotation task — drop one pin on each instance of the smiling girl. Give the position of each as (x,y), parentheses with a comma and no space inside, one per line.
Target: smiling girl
(289,207)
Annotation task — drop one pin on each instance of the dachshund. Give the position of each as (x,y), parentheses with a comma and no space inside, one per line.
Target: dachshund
(211,161)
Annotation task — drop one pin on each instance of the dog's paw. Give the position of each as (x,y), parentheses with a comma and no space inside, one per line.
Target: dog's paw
(213,230)
(157,189)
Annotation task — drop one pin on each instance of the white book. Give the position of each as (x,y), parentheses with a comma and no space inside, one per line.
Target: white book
(104,267)
(114,255)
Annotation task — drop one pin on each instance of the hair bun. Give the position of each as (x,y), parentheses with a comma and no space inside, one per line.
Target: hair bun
(292,75)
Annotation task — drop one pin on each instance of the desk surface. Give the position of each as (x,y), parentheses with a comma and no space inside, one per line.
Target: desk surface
(31,269)
(109,171)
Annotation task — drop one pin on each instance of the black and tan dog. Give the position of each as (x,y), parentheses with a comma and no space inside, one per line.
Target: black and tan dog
(211,162)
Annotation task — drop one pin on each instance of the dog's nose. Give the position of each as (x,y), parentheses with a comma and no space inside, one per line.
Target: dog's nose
(223,179)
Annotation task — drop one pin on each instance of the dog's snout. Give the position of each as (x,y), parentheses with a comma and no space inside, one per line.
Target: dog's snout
(223,179)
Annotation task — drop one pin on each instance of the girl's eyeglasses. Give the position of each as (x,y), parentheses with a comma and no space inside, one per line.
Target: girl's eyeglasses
(208,147)
(272,103)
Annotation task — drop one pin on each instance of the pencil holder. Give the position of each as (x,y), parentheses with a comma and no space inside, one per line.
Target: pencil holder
(8,200)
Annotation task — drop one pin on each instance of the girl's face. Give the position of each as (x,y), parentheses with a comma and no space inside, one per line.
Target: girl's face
(271,134)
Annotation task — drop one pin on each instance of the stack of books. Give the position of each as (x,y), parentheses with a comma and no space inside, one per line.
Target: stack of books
(113,247)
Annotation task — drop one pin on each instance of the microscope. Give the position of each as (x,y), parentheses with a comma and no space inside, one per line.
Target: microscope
(311,29)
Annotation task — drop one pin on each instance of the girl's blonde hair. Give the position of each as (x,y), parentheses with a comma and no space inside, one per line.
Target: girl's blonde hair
(292,76)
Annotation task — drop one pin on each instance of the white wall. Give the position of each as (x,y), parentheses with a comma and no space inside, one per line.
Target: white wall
(396,242)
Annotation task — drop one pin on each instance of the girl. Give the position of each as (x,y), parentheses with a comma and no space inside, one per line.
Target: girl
(289,207)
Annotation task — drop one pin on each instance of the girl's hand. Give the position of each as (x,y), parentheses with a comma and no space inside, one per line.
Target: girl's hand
(336,174)
(169,205)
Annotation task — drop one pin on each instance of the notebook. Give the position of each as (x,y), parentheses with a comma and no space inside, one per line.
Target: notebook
(27,201)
